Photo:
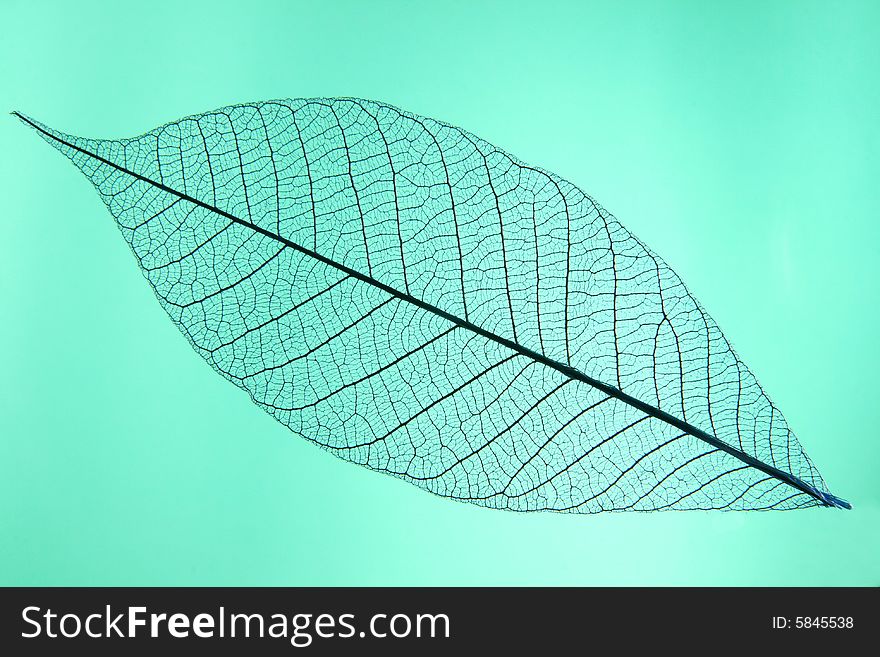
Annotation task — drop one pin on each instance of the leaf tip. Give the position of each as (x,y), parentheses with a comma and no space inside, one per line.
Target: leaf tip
(54,137)
(24,118)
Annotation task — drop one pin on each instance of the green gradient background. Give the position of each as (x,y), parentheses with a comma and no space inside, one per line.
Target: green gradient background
(739,141)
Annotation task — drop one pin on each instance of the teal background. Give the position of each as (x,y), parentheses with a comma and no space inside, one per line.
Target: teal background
(738,140)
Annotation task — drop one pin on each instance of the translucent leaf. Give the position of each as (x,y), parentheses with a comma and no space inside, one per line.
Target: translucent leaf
(416,300)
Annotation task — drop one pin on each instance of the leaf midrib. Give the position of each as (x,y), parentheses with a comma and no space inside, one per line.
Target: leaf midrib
(825,498)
